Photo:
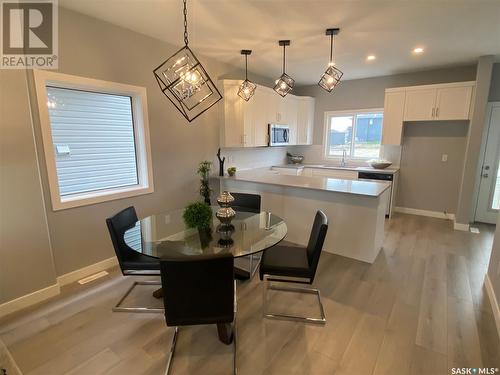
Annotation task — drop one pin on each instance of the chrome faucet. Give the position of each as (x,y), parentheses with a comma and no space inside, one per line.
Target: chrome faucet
(344,154)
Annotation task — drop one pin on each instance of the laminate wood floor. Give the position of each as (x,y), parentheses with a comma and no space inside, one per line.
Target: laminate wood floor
(421,308)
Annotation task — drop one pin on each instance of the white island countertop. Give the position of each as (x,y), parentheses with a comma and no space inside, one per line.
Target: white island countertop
(355,187)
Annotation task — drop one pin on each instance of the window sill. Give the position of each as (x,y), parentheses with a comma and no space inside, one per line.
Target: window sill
(100,197)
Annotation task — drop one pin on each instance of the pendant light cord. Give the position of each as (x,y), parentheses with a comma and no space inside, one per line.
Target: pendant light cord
(246,67)
(186,41)
(331,48)
(284,58)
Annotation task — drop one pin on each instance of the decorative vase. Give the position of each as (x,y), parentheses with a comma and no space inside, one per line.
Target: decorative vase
(225,233)
(225,213)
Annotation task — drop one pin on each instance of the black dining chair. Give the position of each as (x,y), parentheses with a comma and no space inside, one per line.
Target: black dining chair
(245,202)
(292,264)
(200,290)
(131,262)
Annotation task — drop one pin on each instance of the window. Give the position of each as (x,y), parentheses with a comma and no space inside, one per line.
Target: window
(357,133)
(95,137)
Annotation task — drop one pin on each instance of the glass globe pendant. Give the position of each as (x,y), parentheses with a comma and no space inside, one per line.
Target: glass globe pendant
(185,82)
(331,77)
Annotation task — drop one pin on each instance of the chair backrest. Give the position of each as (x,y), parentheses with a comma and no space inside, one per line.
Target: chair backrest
(117,225)
(246,202)
(316,241)
(198,289)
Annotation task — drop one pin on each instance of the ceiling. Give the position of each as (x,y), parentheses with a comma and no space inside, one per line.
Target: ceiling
(452,32)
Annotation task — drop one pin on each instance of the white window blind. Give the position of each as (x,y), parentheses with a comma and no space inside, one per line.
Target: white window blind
(93,140)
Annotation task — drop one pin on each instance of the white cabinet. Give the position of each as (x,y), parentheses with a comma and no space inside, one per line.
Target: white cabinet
(305,120)
(453,103)
(420,104)
(245,124)
(441,102)
(394,105)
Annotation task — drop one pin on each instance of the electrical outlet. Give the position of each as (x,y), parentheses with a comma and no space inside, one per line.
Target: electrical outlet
(444,157)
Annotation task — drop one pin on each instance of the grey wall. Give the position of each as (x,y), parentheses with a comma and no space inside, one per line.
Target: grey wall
(426,182)
(95,49)
(369,92)
(494,94)
(465,209)
(26,261)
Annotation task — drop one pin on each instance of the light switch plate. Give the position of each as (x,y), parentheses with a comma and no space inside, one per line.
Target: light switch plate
(444,157)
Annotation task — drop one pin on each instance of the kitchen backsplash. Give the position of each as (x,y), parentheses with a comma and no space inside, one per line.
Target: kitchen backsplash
(313,154)
(248,158)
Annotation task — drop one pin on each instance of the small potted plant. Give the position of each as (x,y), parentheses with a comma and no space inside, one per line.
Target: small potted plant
(199,215)
(204,172)
(231,171)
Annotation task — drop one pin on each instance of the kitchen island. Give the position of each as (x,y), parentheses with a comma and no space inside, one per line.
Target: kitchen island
(355,209)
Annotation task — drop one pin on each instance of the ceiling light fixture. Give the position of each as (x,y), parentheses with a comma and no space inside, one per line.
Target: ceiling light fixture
(331,77)
(185,82)
(247,88)
(418,50)
(285,83)
(371,57)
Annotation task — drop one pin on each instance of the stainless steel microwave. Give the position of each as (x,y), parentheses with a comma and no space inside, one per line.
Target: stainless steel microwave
(279,135)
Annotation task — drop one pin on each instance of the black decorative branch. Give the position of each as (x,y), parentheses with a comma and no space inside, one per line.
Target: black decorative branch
(221,163)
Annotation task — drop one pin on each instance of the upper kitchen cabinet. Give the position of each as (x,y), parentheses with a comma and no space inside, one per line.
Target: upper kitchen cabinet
(420,103)
(394,105)
(245,124)
(305,120)
(454,103)
(448,101)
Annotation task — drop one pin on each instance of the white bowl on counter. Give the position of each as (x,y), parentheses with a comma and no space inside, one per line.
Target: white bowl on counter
(379,163)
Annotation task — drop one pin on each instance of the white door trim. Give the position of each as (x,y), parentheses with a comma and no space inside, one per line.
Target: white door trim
(482,152)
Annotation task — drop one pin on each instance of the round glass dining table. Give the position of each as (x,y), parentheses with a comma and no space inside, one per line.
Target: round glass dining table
(166,235)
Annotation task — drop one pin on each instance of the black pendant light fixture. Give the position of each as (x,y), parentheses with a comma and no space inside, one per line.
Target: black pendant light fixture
(285,83)
(331,77)
(185,82)
(247,88)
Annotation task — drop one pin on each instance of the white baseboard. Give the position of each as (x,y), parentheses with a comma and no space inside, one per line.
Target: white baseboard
(76,275)
(53,290)
(493,302)
(414,211)
(29,299)
(460,226)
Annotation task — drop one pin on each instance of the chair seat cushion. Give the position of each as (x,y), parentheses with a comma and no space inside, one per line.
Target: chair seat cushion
(284,260)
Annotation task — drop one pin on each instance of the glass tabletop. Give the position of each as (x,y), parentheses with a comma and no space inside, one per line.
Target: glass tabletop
(166,235)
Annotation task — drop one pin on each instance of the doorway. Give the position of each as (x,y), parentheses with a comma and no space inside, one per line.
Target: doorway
(488,201)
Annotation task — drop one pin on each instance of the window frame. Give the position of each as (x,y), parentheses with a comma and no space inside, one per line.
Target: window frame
(140,121)
(351,112)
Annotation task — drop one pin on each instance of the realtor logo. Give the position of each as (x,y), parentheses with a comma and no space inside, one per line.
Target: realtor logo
(29,34)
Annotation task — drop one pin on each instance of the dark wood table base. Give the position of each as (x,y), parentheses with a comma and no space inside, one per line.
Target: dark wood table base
(158,293)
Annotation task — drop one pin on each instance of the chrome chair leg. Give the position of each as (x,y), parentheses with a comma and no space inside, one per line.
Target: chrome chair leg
(172,350)
(267,286)
(119,308)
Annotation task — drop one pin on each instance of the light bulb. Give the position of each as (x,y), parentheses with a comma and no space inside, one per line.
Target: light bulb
(330,80)
(246,90)
(418,50)
(283,85)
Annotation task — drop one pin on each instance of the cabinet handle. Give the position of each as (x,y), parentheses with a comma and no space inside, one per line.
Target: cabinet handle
(437,112)
(433,109)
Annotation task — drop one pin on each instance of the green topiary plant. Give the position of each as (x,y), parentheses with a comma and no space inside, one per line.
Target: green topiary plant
(231,171)
(197,215)
(204,172)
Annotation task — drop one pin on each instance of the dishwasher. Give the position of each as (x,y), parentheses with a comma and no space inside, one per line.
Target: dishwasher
(377,176)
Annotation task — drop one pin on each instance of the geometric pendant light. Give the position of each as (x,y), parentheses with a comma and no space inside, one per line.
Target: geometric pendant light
(185,82)
(331,78)
(247,88)
(285,83)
